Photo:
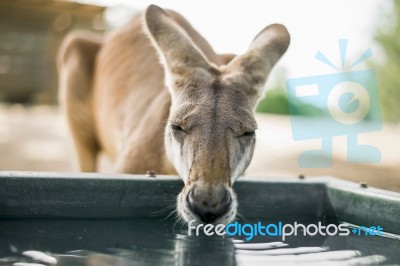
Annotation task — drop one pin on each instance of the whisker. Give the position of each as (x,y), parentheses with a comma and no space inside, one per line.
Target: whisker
(176,222)
(163,210)
(241,216)
(174,212)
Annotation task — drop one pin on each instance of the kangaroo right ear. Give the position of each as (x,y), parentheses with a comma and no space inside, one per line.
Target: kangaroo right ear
(265,50)
(177,52)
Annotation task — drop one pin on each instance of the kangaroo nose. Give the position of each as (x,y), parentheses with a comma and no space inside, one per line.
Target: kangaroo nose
(208,206)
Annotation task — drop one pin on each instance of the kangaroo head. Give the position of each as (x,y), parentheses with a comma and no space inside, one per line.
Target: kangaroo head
(210,134)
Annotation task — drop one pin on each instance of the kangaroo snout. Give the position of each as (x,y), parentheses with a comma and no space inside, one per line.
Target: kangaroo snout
(209,204)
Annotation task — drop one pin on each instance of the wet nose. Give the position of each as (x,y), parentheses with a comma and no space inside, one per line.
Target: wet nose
(209,206)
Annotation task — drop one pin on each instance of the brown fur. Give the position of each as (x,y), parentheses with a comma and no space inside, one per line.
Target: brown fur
(190,114)
(106,105)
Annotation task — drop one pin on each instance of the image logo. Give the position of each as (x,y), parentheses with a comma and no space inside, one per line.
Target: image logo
(350,104)
(281,229)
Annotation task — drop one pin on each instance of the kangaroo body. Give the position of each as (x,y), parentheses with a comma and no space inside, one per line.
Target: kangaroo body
(115,99)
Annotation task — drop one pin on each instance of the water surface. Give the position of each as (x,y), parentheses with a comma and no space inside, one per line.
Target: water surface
(120,242)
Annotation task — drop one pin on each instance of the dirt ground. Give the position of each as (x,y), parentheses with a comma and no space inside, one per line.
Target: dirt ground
(277,154)
(36,139)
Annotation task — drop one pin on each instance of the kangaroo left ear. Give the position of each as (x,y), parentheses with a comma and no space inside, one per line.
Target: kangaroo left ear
(266,49)
(178,53)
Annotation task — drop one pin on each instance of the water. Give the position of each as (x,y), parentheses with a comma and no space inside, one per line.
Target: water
(120,242)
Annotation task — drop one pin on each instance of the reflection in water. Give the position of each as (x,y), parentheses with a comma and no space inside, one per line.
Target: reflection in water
(259,246)
(152,242)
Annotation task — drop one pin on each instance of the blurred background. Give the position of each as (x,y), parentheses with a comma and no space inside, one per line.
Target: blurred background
(33,133)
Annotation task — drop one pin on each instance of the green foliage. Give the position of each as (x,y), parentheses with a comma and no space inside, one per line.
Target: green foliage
(388,36)
(276,101)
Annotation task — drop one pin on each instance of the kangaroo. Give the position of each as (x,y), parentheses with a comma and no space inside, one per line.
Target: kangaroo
(154,95)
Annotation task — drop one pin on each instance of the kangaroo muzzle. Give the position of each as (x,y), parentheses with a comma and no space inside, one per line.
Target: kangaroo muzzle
(209,203)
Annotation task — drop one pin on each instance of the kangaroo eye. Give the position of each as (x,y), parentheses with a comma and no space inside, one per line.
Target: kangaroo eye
(248,134)
(176,128)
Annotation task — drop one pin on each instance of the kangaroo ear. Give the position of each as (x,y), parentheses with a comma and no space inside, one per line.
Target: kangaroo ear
(177,52)
(254,66)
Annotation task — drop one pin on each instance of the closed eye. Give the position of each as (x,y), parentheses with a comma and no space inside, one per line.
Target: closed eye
(248,134)
(176,128)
